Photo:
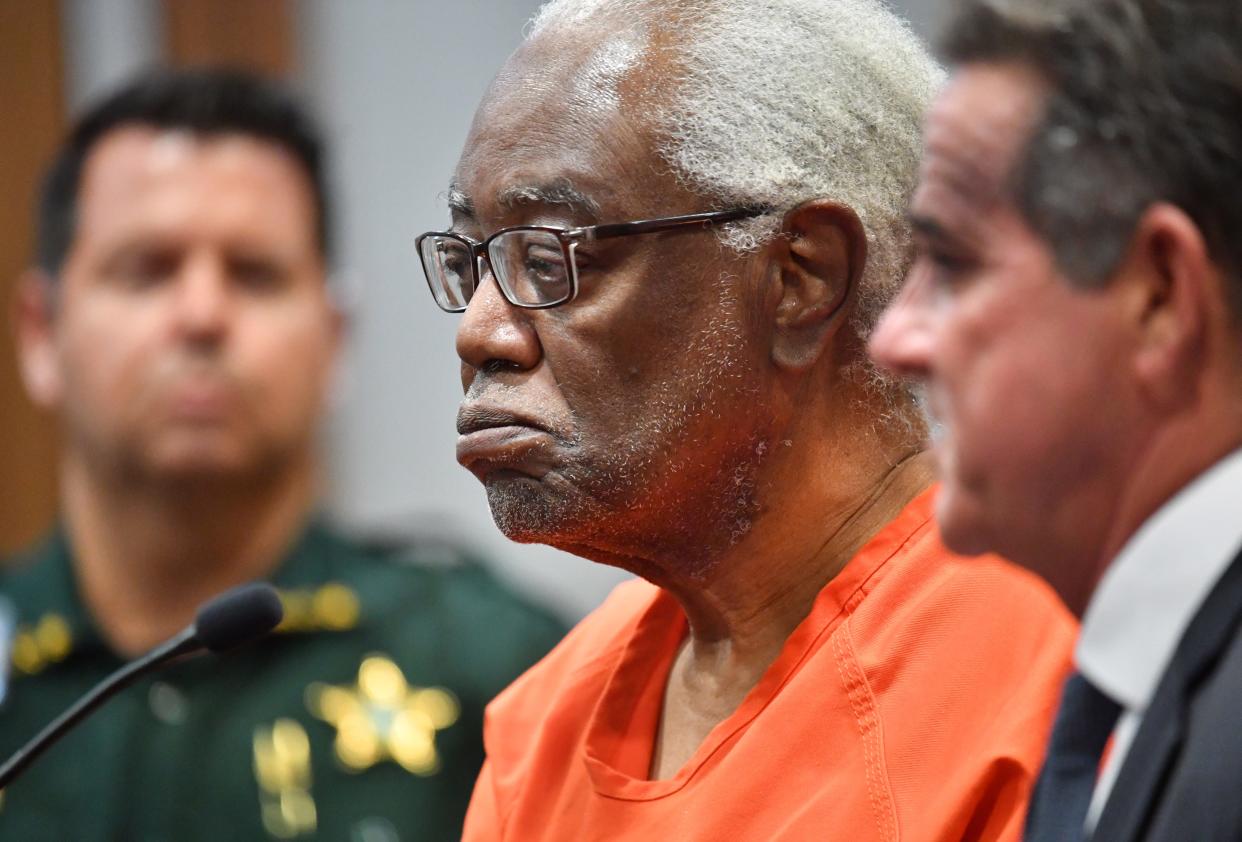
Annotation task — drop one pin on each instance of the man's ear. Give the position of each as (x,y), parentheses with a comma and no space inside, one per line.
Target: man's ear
(819,260)
(1175,291)
(33,319)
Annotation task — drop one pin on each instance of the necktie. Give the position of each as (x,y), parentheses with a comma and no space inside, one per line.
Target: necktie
(1063,792)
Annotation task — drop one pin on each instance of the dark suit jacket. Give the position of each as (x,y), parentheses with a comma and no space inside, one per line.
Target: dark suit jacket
(1182,778)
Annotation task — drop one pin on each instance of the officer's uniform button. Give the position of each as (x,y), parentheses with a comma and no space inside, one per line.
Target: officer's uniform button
(168,704)
(374,829)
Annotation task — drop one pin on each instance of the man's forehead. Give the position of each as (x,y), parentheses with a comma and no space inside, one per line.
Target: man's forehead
(141,181)
(561,124)
(977,127)
(559,87)
(586,68)
(134,157)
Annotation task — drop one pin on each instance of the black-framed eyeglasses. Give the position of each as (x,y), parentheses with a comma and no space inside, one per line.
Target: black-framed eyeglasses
(534,265)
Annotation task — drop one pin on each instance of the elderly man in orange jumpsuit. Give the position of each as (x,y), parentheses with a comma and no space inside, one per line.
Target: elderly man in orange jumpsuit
(673,225)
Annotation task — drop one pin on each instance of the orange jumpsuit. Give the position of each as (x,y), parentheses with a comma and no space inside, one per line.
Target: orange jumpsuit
(912,703)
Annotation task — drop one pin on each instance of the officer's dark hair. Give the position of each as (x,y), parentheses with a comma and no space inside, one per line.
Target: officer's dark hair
(1143,105)
(204,101)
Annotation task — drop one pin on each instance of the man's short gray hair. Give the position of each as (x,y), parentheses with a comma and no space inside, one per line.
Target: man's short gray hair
(777,102)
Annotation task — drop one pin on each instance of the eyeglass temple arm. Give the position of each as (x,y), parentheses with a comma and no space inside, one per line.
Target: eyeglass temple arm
(650,226)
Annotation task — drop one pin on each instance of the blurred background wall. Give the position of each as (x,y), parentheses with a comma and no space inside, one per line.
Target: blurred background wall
(396,83)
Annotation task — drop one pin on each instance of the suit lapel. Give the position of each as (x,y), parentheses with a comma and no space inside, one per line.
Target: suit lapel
(1130,802)
(1137,790)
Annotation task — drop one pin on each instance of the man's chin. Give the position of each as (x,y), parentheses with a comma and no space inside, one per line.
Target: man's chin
(521,508)
(961,523)
(189,462)
(545,510)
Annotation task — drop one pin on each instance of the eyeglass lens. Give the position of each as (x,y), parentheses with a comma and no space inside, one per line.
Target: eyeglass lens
(447,262)
(530,265)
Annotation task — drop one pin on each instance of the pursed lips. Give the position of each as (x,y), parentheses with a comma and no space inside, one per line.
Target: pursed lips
(472,418)
(491,438)
(199,398)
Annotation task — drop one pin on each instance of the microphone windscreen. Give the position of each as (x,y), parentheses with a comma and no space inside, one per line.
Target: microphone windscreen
(238,616)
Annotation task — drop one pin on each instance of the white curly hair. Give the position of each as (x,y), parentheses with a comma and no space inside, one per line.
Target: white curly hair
(776,102)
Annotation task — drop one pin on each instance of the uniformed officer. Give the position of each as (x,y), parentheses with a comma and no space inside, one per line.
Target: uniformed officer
(180,327)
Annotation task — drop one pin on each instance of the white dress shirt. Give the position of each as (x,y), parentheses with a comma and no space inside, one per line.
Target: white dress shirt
(1148,596)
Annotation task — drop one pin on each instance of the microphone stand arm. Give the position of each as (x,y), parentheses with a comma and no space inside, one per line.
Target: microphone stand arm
(183,644)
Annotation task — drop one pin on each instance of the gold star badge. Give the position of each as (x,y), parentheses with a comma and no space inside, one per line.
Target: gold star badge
(383,718)
(282,766)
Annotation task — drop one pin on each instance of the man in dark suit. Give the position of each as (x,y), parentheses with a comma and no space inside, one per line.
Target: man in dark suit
(1075,311)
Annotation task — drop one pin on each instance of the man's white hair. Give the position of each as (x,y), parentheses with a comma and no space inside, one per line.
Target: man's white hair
(776,102)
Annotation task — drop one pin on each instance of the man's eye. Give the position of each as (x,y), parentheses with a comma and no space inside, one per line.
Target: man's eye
(545,265)
(258,275)
(142,270)
(946,267)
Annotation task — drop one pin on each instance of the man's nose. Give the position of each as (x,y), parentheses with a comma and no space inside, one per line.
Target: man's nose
(904,339)
(203,300)
(493,331)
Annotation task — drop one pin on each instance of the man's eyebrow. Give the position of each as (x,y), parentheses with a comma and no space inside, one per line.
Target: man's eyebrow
(459,203)
(556,193)
(928,227)
(936,233)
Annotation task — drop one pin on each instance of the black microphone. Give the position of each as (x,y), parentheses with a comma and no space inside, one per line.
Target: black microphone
(235,617)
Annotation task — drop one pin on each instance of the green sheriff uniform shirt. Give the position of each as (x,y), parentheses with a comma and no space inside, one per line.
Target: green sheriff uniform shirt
(359,720)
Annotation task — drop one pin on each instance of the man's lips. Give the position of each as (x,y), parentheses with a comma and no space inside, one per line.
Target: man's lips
(492,439)
(473,418)
(200,401)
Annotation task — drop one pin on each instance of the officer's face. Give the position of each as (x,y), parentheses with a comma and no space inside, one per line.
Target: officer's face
(191,332)
(1023,369)
(633,417)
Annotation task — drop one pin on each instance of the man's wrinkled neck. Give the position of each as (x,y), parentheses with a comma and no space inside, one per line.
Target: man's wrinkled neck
(766,585)
(817,510)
